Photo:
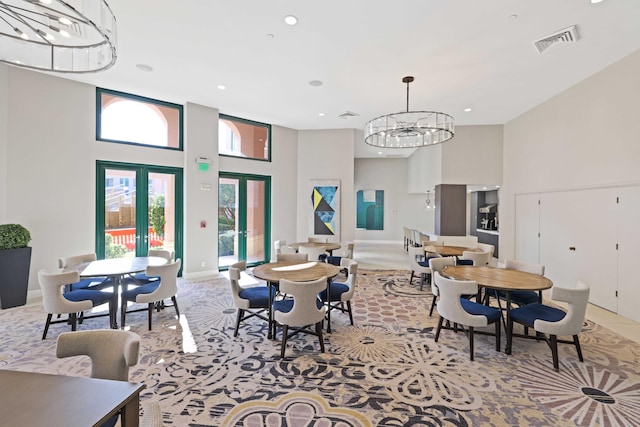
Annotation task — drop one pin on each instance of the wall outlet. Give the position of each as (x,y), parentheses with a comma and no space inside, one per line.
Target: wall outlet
(203,264)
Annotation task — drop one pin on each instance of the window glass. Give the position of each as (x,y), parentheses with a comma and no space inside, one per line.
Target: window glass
(132,119)
(244,138)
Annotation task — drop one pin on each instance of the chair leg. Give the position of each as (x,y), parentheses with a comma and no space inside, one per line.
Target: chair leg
(471,342)
(554,352)
(350,312)
(74,321)
(438,329)
(285,332)
(175,305)
(411,279)
(319,332)
(498,334)
(46,326)
(422,279)
(509,334)
(123,313)
(150,310)
(576,342)
(433,305)
(240,314)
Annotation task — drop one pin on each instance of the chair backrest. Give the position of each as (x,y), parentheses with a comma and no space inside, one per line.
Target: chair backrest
(414,252)
(449,305)
(52,293)
(293,257)
(278,245)
(162,253)
(111,351)
(168,288)
(438,264)
(72,261)
(235,271)
(318,240)
(432,243)
(423,238)
(352,275)
(524,266)
(481,259)
(577,299)
(305,310)
(347,250)
(486,247)
(313,253)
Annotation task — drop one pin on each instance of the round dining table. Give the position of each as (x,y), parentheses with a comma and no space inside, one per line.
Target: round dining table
(115,269)
(449,250)
(500,279)
(329,247)
(295,271)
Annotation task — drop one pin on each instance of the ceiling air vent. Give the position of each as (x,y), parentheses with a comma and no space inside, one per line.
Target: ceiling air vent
(568,35)
(348,115)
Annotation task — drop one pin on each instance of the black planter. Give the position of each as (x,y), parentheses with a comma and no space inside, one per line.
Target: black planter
(14,276)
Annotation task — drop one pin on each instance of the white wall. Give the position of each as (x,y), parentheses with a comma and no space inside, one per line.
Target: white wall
(400,207)
(4,125)
(326,154)
(584,137)
(424,170)
(473,156)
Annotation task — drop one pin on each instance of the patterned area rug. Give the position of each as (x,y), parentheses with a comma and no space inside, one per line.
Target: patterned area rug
(384,371)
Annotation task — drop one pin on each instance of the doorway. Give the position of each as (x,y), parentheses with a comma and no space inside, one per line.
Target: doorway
(244,219)
(138,207)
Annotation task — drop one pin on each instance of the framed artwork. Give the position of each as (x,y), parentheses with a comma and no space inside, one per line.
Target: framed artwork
(325,208)
(370,209)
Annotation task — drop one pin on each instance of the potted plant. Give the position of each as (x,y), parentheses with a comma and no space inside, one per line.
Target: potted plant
(15,260)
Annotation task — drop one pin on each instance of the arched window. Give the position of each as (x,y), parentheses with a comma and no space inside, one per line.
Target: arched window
(244,138)
(229,139)
(133,119)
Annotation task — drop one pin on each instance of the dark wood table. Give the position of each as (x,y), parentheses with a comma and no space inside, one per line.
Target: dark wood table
(296,271)
(32,399)
(329,247)
(500,279)
(115,269)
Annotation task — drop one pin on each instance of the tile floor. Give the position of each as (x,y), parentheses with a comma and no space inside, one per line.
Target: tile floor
(382,256)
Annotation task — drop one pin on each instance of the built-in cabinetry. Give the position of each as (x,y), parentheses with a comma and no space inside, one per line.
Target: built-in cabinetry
(483,218)
(591,235)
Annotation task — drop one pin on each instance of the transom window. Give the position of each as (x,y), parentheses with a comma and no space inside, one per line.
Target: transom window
(131,119)
(244,138)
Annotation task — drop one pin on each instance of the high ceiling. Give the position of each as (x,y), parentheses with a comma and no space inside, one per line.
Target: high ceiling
(476,54)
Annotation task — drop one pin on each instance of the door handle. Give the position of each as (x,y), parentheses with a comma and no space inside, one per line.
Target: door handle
(572,248)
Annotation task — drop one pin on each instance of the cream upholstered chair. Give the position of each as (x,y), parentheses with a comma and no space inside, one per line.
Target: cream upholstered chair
(342,292)
(419,266)
(313,253)
(251,301)
(142,278)
(485,247)
(153,293)
(519,298)
(553,321)
(293,257)
(462,311)
(111,351)
(56,301)
(408,237)
(480,259)
(438,264)
(280,247)
(80,260)
(301,311)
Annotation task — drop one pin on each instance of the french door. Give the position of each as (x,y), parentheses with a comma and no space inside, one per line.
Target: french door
(138,207)
(244,210)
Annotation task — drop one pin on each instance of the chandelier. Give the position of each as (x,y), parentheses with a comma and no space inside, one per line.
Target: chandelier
(76,36)
(410,129)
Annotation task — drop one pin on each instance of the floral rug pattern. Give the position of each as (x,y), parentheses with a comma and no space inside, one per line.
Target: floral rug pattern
(386,370)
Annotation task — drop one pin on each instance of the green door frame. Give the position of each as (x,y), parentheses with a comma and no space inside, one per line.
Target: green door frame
(142,216)
(242,213)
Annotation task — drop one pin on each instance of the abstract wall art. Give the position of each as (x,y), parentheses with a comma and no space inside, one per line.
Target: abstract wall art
(370,209)
(325,203)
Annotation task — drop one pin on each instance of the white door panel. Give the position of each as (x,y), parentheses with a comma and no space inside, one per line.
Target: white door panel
(629,252)
(527,228)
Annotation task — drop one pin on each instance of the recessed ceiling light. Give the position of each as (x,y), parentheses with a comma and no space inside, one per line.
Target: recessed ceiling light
(270,36)
(466,110)
(484,188)
(379,152)
(144,67)
(321,114)
(315,83)
(290,20)
(595,1)
(497,186)
(222,87)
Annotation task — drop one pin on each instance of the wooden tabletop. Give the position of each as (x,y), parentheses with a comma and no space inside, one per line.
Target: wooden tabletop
(119,266)
(295,270)
(449,250)
(499,278)
(32,399)
(327,246)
